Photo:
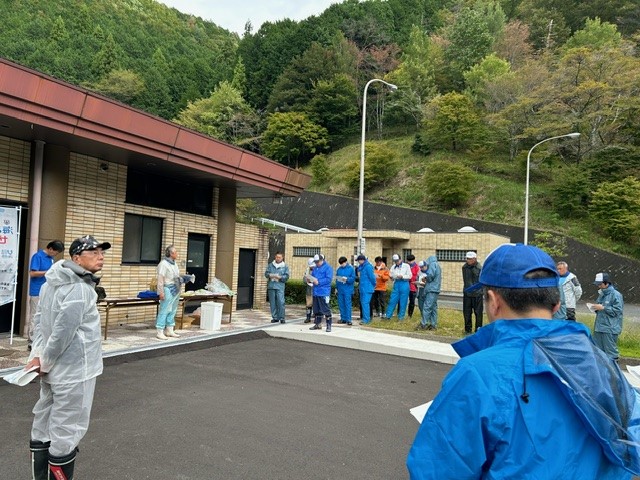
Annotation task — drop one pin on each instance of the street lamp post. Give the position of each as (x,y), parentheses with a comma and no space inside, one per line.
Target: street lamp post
(526,193)
(360,247)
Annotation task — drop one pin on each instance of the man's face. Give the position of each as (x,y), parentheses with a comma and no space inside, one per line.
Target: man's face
(90,260)
(471,261)
(562,269)
(174,254)
(51,252)
(424,268)
(378,263)
(602,286)
(279,258)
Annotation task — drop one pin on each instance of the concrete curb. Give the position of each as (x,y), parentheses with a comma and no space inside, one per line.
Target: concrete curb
(360,339)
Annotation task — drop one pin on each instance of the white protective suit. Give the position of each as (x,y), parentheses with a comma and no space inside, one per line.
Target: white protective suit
(68,343)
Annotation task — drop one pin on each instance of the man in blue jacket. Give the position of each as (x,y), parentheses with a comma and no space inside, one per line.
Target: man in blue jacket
(367,285)
(345,278)
(531,397)
(322,274)
(609,309)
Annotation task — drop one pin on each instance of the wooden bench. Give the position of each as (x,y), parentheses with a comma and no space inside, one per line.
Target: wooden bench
(110,303)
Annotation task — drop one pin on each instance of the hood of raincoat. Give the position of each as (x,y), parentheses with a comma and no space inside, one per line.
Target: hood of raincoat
(64,272)
(593,384)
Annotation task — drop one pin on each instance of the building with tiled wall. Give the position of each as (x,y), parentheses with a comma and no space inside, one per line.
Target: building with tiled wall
(78,163)
(450,249)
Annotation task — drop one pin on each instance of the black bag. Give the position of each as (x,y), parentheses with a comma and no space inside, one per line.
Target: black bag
(102,294)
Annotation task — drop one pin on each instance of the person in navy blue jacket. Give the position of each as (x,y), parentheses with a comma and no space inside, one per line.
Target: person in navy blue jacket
(366,287)
(323,275)
(345,278)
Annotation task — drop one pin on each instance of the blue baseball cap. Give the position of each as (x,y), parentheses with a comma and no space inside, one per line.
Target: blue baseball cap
(508,264)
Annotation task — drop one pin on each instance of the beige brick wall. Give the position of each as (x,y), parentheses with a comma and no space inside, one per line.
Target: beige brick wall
(97,206)
(336,243)
(14,169)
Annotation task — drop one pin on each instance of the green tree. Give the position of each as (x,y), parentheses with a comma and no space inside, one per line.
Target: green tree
(291,138)
(107,58)
(224,115)
(615,206)
(480,75)
(595,34)
(320,169)
(334,104)
(380,167)
(470,38)
(121,84)
(448,184)
(452,122)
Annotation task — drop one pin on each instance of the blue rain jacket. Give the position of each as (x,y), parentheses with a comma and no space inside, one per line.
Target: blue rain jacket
(434,275)
(530,399)
(367,282)
(324,274)
(348,271)
(609,320)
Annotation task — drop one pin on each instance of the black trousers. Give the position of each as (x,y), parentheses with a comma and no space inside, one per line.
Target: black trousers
(379,301)
(472,305)
(412,302)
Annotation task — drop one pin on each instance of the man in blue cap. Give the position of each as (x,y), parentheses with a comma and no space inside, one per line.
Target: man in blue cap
(531,397)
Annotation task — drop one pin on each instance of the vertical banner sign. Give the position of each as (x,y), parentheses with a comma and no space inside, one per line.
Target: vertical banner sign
(9,231)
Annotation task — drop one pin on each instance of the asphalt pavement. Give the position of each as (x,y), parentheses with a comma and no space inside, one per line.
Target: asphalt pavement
(256,407)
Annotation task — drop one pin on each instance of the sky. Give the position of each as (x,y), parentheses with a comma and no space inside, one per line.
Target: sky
(232,15)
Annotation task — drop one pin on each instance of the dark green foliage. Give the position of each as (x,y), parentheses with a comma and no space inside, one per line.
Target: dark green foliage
(571,191)
(380,166)
(320,169)
(615,207)
(554,245)
(84,41)
(292,139)
(295,292)
(421,145)
(449,184)
(613,163)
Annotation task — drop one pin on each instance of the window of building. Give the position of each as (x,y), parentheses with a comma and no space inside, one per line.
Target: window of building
(142,239)
(405,253)
(152,190)
(451,255)
(305,251)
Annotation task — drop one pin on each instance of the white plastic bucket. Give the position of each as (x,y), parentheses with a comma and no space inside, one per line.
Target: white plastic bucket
(211,315)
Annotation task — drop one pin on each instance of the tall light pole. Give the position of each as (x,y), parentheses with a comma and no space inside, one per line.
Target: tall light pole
(360,246)
(526,193)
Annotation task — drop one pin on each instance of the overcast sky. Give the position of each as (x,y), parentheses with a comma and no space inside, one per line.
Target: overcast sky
(233,15)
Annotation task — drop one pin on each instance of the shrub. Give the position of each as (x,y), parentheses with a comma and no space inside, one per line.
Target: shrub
(616,208)
(421,145)
(449,184)
(320,169)
(380,167)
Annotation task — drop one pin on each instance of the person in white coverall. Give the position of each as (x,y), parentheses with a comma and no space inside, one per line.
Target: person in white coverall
(67,352)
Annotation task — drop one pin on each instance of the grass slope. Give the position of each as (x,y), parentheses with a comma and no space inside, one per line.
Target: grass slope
(500,187)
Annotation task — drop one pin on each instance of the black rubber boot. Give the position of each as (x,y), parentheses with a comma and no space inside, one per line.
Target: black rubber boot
(61,468)
(39,459)
(328,320)
(317,323)
(308,319)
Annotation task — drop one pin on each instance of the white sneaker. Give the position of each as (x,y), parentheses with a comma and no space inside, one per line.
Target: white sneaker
(160,335)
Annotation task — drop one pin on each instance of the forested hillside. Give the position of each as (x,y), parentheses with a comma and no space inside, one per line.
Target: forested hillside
(479,83)
(137,51)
